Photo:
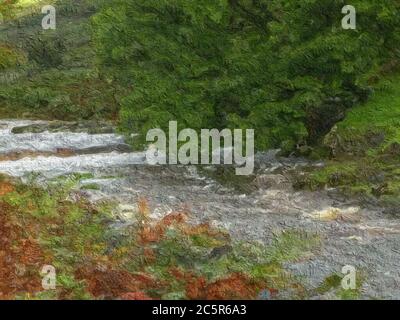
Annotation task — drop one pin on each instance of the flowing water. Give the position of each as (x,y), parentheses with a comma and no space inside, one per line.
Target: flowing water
(363,237)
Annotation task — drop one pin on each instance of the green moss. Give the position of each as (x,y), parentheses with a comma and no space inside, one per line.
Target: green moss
(334,283)
(331,282)
(292,245)
(90,186)
(78,288)
(381,114)
(374,173)
(205,241)
(332,174)
(366,154)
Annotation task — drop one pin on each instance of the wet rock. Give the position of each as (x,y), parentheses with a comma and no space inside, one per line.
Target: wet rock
(335,178)
(333,141)
(380,190)
(268,158)
(300,180)
(304,151)
(220,251)
(393,149)
(126,212)
(90,127)
(330,214)
(377,178)
(375,139)
(64,152)
(273,181)
(50,142)
(123,148)
(391,206)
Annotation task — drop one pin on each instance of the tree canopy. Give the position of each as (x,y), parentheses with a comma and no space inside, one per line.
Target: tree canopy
(286,68)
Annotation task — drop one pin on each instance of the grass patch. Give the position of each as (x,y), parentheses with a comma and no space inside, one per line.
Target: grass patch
(90,186)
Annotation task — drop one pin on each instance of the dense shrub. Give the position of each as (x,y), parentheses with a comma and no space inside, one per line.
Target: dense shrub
(286,68)
(7,9)
(46,50)
(9,57)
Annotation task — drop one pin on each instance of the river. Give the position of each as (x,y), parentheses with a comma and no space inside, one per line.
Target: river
(353,234)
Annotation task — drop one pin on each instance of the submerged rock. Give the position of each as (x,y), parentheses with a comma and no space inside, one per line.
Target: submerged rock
(393,149)
(91,127)
(273,181)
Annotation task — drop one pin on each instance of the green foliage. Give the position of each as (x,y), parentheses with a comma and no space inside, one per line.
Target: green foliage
(10,57)
(380,114)
(285,68)
(7,9)
(46,50)
(332,283)
(367,149)
(51,74)
(291,245)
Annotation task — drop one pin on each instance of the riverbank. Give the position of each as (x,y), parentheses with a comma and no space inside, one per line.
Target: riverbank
(75,195)
(106,240)
(264,211)
(363,151)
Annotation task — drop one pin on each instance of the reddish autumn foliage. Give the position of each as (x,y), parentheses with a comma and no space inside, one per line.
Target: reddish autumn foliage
(149,255)
(236,286)
(110,276)
(135,296)
(110,283)
(151,234)
(107,283)
(5,188)
(143,207)
(195,288)
(178,217)
(155,233)
(178,274)
(18,257)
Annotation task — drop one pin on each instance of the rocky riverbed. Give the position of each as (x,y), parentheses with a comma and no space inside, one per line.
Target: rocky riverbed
(351,232)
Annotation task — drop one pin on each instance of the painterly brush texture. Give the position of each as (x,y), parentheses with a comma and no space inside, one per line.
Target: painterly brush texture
(72,193)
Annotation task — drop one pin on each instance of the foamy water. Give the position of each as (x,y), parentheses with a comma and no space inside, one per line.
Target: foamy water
(55,166)
(50,141)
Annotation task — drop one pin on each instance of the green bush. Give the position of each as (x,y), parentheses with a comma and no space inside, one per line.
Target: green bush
(286,68)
